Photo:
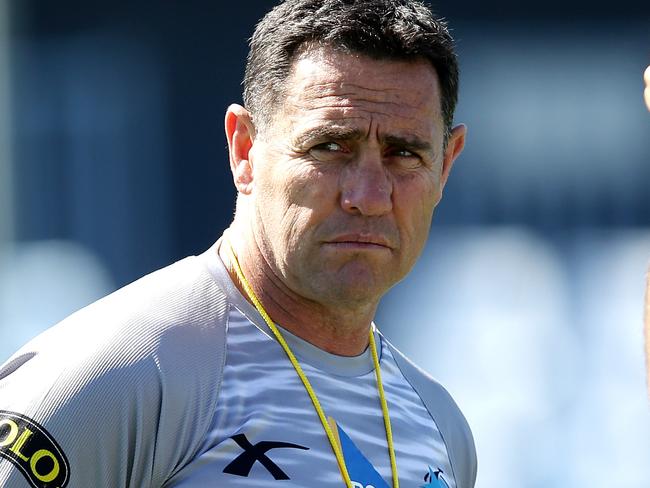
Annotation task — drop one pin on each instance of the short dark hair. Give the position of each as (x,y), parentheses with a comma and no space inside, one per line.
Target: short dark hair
(380,29)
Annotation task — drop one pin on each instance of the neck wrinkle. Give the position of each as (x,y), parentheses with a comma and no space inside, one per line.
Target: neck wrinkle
(336,331)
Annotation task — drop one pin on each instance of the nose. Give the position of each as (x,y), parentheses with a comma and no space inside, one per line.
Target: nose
(367,188)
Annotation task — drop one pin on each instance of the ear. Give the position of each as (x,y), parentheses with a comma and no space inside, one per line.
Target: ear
(455,145)
(240,133)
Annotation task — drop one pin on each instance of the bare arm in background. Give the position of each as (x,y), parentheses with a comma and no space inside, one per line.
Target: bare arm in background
(646,93)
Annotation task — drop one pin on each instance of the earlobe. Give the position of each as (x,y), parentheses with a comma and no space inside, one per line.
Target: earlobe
(240,133)
(455,146)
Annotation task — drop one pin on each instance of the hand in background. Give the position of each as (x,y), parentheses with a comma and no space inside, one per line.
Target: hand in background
(646,93)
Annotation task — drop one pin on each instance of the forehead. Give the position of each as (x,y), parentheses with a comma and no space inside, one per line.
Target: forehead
(396,95)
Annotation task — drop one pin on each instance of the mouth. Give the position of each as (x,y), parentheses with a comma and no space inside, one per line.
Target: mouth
(360,241)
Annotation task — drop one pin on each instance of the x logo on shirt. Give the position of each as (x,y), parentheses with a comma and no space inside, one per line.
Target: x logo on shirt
(242,464)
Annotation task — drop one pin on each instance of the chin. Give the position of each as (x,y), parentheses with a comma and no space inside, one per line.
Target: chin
(355,298)
(359,289)
(356,281)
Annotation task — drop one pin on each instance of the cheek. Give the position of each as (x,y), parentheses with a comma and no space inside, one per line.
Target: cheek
(310,188)
(307,196)
(414,206)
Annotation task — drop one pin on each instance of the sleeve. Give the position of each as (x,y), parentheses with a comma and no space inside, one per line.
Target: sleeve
(117,395)
(86,424)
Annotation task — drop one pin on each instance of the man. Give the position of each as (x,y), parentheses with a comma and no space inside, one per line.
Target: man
(183,378)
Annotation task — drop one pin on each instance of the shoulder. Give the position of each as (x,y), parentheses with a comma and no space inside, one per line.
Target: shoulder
(160,314)
(451,422)
(139,369)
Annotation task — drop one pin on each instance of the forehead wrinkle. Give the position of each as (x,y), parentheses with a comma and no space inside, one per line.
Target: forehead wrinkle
(360,103)
(336,115)
(350,91)
(346,85)
(343,130)
(358,109)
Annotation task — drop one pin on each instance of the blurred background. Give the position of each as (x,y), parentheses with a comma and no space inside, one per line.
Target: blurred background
(527,303)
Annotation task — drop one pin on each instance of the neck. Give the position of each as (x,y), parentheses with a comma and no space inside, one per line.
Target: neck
(337,329)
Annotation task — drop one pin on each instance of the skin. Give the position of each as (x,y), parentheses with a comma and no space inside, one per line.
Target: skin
(646,96)
(336,196)
(646,92)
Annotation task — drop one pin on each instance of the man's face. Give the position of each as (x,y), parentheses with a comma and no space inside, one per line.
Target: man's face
(347,176)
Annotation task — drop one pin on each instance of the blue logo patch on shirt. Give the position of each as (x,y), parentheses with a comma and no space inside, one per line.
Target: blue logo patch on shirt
(434,479)
(361,471)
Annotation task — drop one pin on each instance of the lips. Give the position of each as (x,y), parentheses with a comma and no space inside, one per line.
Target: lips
(368,241)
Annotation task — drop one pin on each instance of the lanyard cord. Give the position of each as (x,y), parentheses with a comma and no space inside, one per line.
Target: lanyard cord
(384,411)
(310,391)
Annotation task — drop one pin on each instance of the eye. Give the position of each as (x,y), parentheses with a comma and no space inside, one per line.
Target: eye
(404,158)
(328,146)
(404,153)
(328,151)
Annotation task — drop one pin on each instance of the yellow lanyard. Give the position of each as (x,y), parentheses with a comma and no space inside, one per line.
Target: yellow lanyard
(310,391)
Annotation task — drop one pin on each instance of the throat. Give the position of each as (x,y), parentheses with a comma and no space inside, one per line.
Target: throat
(337,329)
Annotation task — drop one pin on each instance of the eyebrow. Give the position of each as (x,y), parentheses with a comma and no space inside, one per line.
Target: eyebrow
(328,132)
(348,133)
(414,142)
